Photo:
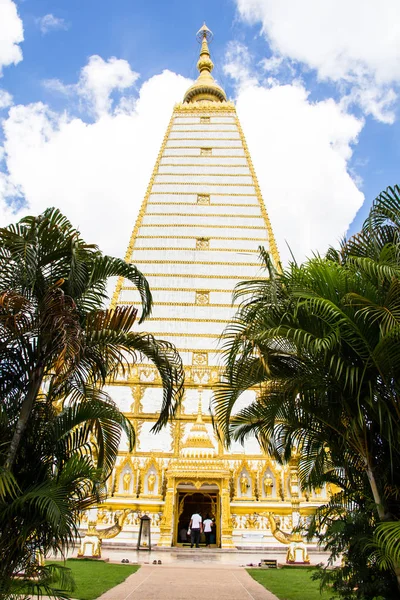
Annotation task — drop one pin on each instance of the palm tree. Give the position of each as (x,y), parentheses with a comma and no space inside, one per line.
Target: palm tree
(65,459)
(53,326)
(58,347)
(320,342)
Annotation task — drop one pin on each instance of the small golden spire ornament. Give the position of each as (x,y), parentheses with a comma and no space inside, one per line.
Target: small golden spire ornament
(205,88)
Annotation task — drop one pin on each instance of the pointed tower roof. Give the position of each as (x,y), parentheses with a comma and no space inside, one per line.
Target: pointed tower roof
(198,443)
(205,87)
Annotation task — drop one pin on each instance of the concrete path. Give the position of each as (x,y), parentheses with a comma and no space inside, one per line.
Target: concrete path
(189,582)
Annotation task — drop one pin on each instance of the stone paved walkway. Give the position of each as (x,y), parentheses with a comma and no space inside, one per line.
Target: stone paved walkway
(189,582)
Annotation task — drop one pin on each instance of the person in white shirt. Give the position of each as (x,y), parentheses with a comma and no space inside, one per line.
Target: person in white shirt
(196,527)
(207,528)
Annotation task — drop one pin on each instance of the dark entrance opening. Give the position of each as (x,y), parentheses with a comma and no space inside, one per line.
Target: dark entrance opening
(189,503)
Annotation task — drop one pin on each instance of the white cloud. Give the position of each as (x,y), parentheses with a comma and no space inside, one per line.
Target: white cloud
(11,34)
(5,99)
(300,152)
(353,43)
(272,64)
(96,173)
(238,64)
(97,80)
(49,23)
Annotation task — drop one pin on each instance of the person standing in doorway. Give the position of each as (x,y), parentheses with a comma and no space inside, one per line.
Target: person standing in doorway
(207,527)
(196,527)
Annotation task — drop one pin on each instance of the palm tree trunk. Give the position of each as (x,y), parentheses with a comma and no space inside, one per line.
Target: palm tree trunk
(375,492)
(381,513)
(26,409)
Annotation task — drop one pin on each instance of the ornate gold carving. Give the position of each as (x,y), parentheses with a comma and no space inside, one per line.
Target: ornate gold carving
(205,119)
(127,478)
(124,477)
(203,198)
(203,298)
(137,394)
(268,485)
(202,243)
(205,151)
(209,107)
(244,484)
(200,359)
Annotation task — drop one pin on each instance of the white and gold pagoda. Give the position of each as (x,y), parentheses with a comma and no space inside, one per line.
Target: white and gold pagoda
(196,236)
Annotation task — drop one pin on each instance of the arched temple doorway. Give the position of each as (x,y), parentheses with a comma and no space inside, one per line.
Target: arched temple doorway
(189,501)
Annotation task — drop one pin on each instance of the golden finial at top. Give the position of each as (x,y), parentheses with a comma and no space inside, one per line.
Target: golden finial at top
(204,32)
(205,89)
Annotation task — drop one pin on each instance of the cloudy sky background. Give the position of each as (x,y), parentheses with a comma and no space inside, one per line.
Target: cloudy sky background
(87,89)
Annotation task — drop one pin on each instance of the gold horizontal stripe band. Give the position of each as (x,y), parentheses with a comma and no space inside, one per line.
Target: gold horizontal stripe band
(204,140)
(199,183)
(240,147)
(218,109)
(205,226)
(191,276)
(180,289)
(231,114)
(203,215)
(211,193)
(231,121)
(170,248)
(194,262)
(230,205)
(202,165)
(132,302)
(187,320)
(212,350)
(190,335)
(212,156)
(160,174)
(206,129)
(190,237)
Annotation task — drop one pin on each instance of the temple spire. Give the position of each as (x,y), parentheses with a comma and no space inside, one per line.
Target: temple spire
(205,87)
(199,408)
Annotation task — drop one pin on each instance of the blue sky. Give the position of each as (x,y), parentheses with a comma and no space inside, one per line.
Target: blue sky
(316,85)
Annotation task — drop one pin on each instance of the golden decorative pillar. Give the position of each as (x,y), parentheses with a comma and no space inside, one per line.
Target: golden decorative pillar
(226,518)
(166,524)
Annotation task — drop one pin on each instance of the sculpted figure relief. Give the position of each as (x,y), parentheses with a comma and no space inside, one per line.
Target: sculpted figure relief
(252,521)
(151,480)
(268,485)
(243,485)
(126,481)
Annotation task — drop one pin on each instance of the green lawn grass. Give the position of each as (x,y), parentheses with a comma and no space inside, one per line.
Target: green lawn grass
(94,577)
(290,583)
